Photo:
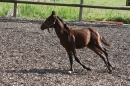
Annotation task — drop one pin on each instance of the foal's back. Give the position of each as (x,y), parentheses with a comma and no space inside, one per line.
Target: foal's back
(82,36)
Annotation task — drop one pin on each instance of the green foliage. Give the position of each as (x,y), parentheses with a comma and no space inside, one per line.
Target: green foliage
(4,8)
(43,11)
(71,13)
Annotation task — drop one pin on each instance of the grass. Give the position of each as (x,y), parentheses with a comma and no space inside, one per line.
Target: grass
(42,12)
(71,13)
(4,8)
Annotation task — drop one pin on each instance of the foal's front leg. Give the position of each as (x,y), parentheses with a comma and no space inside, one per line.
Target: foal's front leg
(71,61)
(76,58)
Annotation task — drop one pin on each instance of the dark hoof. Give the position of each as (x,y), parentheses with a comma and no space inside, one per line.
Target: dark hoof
(110,72)
(88,69)
(113,68)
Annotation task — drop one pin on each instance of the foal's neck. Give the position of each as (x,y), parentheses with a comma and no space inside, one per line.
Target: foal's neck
(59,28)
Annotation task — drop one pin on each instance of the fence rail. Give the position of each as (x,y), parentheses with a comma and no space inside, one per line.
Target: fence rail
(81,6)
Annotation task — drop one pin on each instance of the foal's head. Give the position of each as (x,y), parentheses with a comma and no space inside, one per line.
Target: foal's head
(50,21)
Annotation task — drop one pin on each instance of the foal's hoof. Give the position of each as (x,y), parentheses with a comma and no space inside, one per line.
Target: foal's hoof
(70,72)
(113,68)
(88,69)
(110,72)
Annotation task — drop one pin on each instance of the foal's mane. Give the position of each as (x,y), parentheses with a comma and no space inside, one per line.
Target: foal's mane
(66,27)
(60,19)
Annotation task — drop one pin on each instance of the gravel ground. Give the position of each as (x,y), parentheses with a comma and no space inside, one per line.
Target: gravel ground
(32,57)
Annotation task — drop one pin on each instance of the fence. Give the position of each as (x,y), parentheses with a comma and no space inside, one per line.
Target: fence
(81,6)
(127,2)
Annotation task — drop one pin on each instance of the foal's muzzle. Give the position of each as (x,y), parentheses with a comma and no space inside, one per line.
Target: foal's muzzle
(43,26)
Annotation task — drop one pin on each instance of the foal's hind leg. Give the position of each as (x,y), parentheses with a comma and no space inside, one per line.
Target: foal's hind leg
(76,58)
(99,52)
(106,54)
(103,52)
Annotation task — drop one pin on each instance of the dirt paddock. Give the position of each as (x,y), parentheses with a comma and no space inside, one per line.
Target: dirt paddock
(32,57)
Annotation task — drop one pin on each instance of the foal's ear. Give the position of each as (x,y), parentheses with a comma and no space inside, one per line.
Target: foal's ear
(53,13)
(65,25)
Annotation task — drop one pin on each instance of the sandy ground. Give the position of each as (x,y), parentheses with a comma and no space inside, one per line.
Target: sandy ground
(32,57)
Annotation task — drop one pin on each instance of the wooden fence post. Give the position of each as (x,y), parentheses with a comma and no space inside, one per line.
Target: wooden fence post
(15,10)
(80,10)
(54,1)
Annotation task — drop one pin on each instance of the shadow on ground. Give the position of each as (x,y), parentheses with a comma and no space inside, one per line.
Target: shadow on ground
(39,71)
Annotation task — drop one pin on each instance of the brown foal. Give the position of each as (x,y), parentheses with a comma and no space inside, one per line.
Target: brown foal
(72,39)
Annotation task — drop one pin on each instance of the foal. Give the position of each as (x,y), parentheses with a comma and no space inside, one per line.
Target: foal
(72,39)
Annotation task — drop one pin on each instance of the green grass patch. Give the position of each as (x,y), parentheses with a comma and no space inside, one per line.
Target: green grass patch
(4,8)
(71,13)
(43,11)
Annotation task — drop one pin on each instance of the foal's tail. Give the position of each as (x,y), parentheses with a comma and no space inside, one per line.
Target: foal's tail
(106,42)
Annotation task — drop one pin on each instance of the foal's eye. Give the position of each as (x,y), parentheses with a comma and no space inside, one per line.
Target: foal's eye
(49,19)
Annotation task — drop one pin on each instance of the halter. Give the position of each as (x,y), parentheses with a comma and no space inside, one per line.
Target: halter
(50,24)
